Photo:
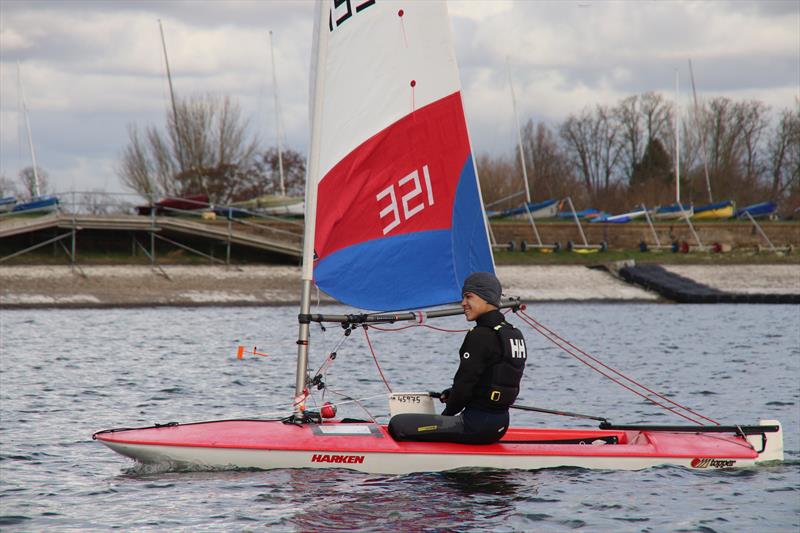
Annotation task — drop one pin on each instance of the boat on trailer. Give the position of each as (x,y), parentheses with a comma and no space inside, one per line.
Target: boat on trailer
(395,221)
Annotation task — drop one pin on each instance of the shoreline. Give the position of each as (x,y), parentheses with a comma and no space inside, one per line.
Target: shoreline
(39,287)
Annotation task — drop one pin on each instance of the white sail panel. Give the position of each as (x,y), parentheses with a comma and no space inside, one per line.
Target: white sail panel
(374,53)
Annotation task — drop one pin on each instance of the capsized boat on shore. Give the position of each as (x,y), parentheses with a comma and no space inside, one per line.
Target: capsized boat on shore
(622,218)
(671,211)
(717,210)
(395,221)
(273,204)
(584,214)
(175,205)
(760,210)
(544,209)
(7,203)
(38,204)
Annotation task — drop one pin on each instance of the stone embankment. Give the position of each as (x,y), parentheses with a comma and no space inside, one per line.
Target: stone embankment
(141,286)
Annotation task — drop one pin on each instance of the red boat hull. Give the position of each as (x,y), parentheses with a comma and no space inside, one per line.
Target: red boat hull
(368,447)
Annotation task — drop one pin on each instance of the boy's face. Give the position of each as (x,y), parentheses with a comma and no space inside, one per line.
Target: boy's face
(474,306)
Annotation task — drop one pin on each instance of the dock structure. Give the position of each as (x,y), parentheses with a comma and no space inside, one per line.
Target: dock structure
(270,237)
(681,289)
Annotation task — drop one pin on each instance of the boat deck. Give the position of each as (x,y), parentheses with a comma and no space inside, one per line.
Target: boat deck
(354,438)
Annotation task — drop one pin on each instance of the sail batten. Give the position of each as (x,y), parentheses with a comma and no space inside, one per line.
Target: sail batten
(399,221)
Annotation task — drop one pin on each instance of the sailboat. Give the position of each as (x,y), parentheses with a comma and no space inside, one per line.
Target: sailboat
(39,203)
(394,221)
(712,210)
(715,210)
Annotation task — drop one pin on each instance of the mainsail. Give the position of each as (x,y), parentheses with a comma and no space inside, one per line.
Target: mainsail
(398,218)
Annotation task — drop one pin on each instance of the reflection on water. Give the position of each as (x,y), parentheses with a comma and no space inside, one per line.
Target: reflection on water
(440,501)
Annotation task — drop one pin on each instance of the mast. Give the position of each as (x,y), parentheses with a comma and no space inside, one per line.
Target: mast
(36,191)
(312,178)
(522,156)
(677,145)
(172,97)
(277,116)
(702,134)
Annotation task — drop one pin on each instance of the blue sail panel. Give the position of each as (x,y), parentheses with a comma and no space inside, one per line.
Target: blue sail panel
(413,270)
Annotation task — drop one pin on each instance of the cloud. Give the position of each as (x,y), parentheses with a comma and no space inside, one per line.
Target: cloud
(91,68)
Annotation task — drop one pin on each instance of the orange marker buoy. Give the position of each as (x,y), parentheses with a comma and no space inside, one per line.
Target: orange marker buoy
(240,352)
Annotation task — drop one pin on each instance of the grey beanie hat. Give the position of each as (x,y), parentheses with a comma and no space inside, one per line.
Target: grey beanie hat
(484,284)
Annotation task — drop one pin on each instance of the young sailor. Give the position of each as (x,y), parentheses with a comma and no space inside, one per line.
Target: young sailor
(491,362)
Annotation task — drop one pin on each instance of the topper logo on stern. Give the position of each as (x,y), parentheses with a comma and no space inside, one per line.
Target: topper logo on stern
(706,462)
(411,204)
(334,458)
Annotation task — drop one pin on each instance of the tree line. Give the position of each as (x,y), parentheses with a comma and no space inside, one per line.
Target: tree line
(607,157)
(205,148)
(616,157)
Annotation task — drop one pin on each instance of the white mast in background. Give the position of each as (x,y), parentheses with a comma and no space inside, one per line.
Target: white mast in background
(701,133)
(36,191)
(522,155)
(677,145)
(277,116)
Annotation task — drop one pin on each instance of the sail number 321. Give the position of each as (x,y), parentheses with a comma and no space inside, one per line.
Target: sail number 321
(410,201)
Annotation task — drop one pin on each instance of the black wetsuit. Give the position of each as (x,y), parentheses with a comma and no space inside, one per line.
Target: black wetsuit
(486,383)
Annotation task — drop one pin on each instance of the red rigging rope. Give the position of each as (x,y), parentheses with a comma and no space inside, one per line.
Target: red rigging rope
(550,335)
(369,343)
(560,342)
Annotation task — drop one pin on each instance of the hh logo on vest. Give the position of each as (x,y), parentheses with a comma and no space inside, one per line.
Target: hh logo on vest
(518,349)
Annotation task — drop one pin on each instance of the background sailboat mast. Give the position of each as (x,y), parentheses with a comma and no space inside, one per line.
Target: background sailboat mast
(522,156)
(36,191)
(701,132)
(277,116)
(312,178)
(172,97)
(677,144)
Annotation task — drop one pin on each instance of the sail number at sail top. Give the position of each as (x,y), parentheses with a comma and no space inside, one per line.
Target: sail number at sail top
(391,213)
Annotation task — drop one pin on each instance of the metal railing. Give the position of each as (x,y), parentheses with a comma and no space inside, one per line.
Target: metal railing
(74,210)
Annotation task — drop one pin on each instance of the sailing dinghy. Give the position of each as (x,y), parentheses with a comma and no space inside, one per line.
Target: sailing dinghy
(394,221)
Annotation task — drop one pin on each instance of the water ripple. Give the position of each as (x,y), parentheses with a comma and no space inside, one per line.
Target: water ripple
(180,364)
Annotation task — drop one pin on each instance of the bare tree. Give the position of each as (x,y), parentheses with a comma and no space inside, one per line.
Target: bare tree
(642,120)
(268,166)
(592,145)
(549,170)
(27,177)
(724,132)
(7,187)
(751,117)
(97,202)
(205,149)
(628,115)
(496,175)
(783,155)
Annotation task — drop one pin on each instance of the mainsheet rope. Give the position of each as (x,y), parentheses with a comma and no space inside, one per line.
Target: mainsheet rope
(550,335)
(558,340)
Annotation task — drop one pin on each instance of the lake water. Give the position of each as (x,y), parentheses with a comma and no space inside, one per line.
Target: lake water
(67,373)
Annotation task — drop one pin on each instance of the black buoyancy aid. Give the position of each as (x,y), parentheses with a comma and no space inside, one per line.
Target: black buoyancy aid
(506,373)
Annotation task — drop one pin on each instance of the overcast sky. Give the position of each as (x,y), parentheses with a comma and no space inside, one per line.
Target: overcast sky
(91,68)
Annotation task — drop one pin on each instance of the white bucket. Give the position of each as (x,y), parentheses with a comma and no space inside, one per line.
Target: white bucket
(411,402)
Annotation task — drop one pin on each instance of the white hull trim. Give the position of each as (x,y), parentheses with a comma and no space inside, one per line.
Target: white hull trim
(395,463)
